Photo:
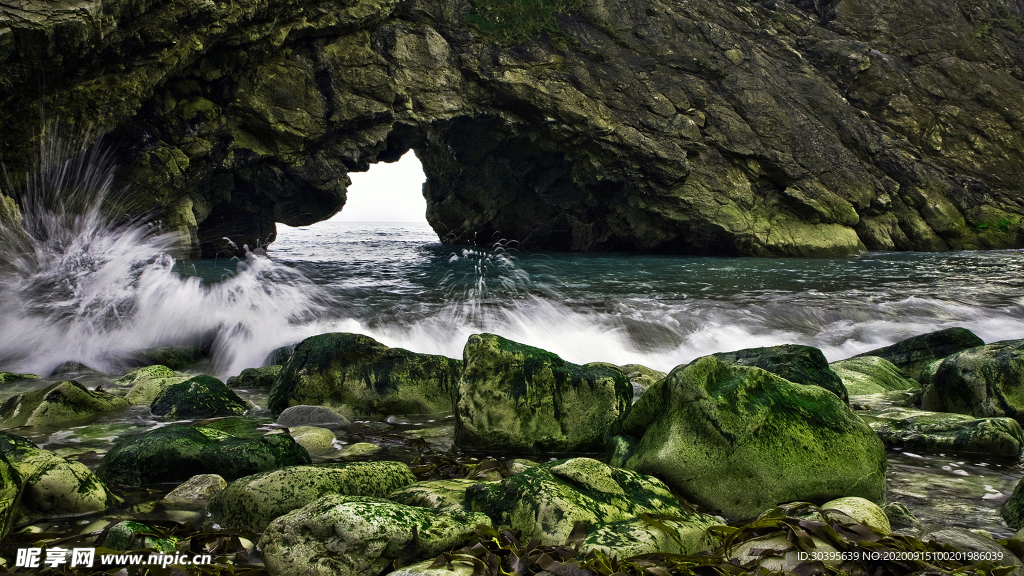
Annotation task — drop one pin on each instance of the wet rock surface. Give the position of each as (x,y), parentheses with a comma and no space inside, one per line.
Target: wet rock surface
(783,128)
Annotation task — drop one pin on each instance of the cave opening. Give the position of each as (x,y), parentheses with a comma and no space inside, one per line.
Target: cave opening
(387,192)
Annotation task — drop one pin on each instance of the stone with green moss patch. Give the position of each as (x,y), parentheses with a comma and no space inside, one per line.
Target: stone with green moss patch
(871,375)
(194,493)
(10,489)
(913,354)
(738,440)
(11,377)
(132,535)
(435,493)
(53,486)
(359,535)
(263,377)
(983,381)
(56,404)
(148,382)
(176,452)
(798,364)
(939,432)
(355,373)
(519,398)
(313,438)
(198,397)
(861,510)
(547,500)
(252,502)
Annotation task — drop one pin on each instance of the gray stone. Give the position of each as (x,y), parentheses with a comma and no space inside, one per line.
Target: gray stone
(311,416)
(195,493)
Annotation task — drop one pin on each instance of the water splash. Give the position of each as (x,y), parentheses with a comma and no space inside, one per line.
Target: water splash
(76,286)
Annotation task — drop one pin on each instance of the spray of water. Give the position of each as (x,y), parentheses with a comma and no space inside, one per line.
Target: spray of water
(76,286)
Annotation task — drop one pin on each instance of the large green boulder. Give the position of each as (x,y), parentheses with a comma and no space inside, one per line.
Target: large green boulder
(252,502)
(263,377)
(148,382)
(799,364)
(738,440)
(913,354)
(871,375)
(356,535)
(56,404)
(938,432)
(546,501)
(198,397)
(52,486)
(176,452)
(983,381)
(355,373)
(514,397)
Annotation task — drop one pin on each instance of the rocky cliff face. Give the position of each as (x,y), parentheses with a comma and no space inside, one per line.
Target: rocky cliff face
(801,128)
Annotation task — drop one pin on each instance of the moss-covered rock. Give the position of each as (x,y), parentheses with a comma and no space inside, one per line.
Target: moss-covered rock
(10,493)
(263,377)
(547,500)
(520,398)
(983,381)
(799,364)
(52,486)
(861,510)
(358,535)
(435,493)
(194,493)
(965,540)
(198,397)
(174,357)
(132,535)
(355,372)
(901,518)
(913,354)
(739,440)
(57,404)
(11,377)
(148,382)
(252,502)
(313,438)
(938,432)
(176,452)
(1013,509)
(871,375)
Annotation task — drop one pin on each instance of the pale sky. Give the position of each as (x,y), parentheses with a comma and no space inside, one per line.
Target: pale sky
(386,193)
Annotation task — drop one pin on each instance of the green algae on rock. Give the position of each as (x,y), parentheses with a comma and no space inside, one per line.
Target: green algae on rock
(798,364)
(360,535)
(983,381)
(10,377)
(132,535)
(519,398)
(10,493)
(176,452)
(546,501)
(356,373)
(739,440)
(313,438)
(53,487)
(912,355)
(937,432)
(148,382)
(57,404)
(252,502)
(174,357)
(871,375)
(435,493)
(198,397)
(263,377)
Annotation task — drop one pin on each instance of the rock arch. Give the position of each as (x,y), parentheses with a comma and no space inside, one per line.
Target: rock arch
(768,129)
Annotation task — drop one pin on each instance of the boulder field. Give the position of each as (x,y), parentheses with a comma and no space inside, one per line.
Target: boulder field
(726,457)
